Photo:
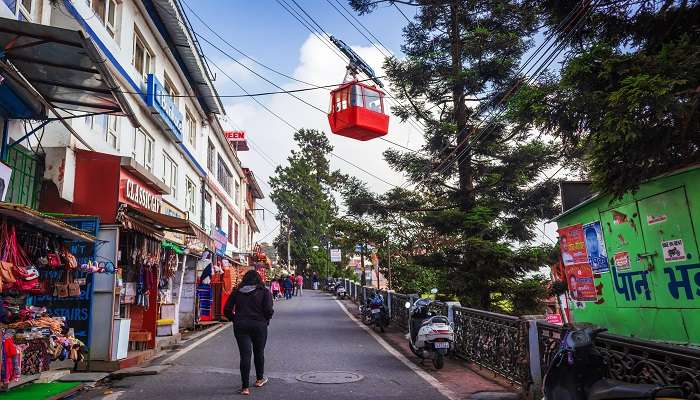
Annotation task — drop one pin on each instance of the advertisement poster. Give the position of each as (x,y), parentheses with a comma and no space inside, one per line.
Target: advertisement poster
(622,261)
(573,246)
(336,255)
(553,319)
(673,250)
(595,247)
(579,278)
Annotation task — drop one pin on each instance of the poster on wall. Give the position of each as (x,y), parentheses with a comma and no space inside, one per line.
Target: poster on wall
(579,279)
(595,247)
(622,261)
(673,250)
(572,244)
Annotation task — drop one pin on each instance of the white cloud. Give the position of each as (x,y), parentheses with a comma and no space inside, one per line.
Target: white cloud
(318,65)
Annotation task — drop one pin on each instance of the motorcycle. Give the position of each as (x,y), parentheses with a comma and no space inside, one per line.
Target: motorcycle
(578,370)
(340,291)
(429,336)
(379,317)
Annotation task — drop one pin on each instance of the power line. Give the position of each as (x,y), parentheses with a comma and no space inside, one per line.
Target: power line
(268,233)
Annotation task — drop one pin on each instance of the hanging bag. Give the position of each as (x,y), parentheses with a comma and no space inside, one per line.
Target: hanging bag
(71,261)
(73,286)
(61,289)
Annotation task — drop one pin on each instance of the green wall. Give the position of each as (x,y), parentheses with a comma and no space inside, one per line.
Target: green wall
(667,307)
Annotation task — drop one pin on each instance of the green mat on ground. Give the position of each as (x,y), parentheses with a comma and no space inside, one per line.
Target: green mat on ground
(38,391)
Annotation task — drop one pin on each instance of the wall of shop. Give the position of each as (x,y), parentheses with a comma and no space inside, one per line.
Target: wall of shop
(647,278)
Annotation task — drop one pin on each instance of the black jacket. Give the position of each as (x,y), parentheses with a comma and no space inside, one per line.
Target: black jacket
(249,303)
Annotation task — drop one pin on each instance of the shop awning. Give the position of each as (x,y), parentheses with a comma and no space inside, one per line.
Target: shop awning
(64,67)
(162,222)
(44,223)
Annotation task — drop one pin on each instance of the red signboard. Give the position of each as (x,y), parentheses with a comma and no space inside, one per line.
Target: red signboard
(554,319)
(579,279)
(134,192)
(235,136)
(573,245)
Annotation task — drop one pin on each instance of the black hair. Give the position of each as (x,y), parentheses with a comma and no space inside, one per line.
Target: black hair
(251,278)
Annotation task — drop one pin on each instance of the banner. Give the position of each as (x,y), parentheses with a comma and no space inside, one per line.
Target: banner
(579,278)
(572,244)
(595,247)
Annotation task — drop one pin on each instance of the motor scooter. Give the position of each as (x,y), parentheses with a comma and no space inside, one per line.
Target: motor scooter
(340,291)
(378,315)
(429,336)
(578,372)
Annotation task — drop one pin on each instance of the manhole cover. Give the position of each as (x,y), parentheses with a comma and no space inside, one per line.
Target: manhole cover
(329,377)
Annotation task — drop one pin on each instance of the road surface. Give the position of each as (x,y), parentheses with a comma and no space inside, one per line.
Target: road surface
(309,333)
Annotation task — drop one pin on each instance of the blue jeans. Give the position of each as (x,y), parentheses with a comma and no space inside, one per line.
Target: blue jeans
(288,293)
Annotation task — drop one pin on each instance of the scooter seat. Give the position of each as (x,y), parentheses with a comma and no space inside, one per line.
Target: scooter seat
(607,389)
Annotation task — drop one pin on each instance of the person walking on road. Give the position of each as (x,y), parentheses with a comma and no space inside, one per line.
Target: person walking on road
(300,284)
(275,287)
(314,280)
(293,278)
(288,288)
(250,309)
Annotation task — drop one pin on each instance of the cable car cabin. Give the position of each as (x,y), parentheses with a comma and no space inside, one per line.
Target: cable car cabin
(357,111)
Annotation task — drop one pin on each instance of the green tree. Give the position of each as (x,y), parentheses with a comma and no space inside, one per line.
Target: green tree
(476,197)
(625,102)
(302,193)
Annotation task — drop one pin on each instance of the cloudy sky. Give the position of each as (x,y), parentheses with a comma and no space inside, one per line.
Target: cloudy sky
(266,32)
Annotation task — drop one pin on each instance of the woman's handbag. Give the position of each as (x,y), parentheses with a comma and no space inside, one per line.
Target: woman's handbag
(73,287)
(61,289)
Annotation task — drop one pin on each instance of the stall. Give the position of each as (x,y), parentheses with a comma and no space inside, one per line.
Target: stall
(39,261)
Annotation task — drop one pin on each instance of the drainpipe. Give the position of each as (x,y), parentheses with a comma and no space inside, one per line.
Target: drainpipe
(5,140)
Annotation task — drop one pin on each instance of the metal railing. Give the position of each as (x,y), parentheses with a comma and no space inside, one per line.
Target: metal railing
(634,360)
(494,341)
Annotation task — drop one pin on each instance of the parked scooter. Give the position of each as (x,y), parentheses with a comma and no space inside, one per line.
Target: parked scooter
(340,290)
(378,315)
(578,370)
(430,336)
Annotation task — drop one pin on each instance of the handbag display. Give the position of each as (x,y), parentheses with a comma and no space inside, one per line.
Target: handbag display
(61,289)
(53,260)
(73,286)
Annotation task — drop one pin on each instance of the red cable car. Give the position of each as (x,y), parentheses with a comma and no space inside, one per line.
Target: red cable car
(357,111)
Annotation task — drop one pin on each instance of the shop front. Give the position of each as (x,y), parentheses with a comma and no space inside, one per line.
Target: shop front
(42,258)
(144,242)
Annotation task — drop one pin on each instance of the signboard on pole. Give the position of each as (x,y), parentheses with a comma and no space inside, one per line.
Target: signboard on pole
(336,255)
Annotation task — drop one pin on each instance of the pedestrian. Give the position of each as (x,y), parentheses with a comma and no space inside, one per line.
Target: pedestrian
(314,280)
(288,288)
(275,287)
(293,278)
(250,309)
(300,285)
(281,282)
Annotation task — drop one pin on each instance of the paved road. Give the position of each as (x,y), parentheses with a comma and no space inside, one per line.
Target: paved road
(309,333)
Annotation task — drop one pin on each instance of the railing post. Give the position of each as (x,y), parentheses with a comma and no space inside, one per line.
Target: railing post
(450,309)
(534,353)
(389,299)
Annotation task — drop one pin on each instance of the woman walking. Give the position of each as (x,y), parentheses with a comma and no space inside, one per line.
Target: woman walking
(288,288)
(250,309)
(275,287)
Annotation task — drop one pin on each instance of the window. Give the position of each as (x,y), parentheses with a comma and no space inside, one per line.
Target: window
(211,155)
(237,193)
(218,215)
(235,235)
(191,129)
(224,176)
(143,149)
(170,88)
(21,8)
(106,11)
(170,174)
(230,229)
(112,135)
(190,197)
(207,212)
(143,58)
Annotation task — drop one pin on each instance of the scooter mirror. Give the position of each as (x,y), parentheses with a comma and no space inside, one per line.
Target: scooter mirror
(408,304)
(433,290)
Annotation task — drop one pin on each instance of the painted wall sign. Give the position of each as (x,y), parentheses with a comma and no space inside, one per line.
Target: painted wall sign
(572,244)
(595,247)
(684,281)
(164,105)
(579,278)
(622,261)
(656,219)
(673,250)
(632,283)
(141,196)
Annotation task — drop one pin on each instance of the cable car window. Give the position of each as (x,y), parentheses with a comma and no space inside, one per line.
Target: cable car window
(341,99)
(355,96)
(373,100)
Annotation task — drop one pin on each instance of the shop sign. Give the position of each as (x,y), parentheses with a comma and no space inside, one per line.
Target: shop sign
(164,105)
(572,244)
(142,197)
(168,209)
(235,136)
(336,255)
(220,240)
